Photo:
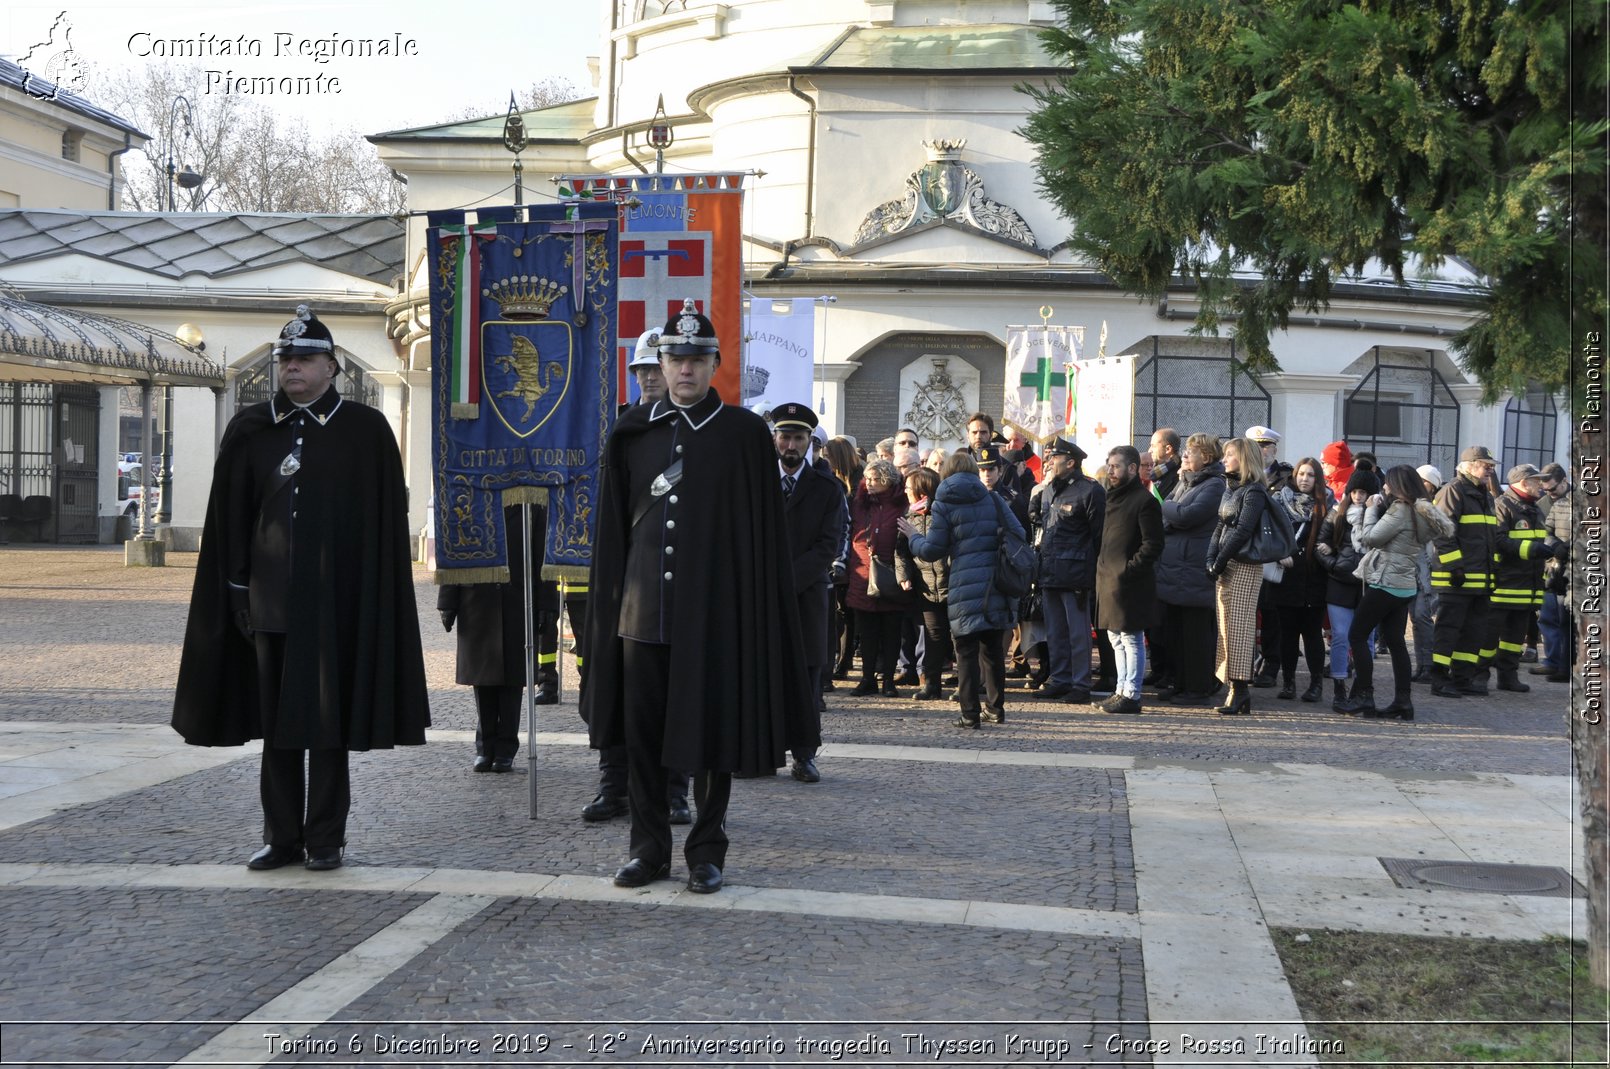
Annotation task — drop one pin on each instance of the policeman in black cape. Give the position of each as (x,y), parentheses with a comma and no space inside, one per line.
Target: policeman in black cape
(303,630)
(693,634)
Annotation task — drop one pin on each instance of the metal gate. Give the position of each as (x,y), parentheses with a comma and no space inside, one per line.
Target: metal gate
(49,439)
(1529,429)
(1196,394)
(1403,413)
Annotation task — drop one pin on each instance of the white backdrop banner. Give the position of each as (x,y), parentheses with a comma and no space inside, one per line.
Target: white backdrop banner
(1038,359)
(782,352)
(1105,413)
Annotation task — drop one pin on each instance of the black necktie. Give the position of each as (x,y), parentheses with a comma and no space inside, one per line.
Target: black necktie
(788,484)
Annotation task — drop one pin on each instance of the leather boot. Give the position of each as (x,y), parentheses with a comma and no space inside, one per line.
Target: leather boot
(1239,703)
(1338,694)
(1360,702)
(929,691)
(1288,687)
(1402,708)
(1509,679)
(1316,689)
(1443,684)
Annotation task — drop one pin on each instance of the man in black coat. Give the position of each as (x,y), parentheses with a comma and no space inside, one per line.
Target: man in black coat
(1069,509)
(1126,580)
(814,515)
(303,630)
(491,620)
(694,652)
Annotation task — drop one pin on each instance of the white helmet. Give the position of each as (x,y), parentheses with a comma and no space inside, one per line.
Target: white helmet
(647,353)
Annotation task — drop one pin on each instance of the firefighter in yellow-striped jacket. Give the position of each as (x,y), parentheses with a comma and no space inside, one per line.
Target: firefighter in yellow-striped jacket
(1462,576)
(1524,546)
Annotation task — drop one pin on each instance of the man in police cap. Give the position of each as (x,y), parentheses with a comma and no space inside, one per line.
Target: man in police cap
(694,652)
(303,630)
(1069,509)
(814,514)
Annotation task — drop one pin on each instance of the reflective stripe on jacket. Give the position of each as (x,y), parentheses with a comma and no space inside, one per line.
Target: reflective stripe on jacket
(1523,548)
(1472,548)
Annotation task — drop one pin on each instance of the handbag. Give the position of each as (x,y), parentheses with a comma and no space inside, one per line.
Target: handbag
(1273,573)
(1014,557)
(880,580)
(1275,539)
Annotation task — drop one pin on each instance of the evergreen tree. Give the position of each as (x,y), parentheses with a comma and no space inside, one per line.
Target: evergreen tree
(1265,151)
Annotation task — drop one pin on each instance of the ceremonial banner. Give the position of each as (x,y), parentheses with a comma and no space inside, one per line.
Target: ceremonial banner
(523,384)
(1106,407)
(1038,361)
(681,236)
(781,358)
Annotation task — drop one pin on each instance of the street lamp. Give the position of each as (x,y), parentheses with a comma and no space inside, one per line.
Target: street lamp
(186,179)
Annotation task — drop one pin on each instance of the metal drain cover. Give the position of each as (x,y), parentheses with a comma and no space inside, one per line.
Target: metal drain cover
(1423,874)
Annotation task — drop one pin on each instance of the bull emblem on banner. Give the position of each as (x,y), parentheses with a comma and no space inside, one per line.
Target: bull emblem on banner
(526,368)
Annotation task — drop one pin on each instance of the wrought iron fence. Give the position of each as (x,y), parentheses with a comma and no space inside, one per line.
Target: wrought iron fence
(1194,394)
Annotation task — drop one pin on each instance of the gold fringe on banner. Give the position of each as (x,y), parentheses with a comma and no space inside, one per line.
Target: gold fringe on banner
(463,576)
(463,410)
(526,495)
(566,572)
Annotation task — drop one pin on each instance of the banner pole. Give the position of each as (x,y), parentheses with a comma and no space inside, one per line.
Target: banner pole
(530,663)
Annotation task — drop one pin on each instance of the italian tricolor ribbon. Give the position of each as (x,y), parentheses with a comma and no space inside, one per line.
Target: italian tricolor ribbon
(464,375)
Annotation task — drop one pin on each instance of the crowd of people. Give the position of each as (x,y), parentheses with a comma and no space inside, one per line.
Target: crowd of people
(1151,562)
(740,566)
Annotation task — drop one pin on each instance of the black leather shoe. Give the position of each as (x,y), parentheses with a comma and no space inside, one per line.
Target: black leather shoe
(908,678)
(323,858)
(805,771)
(482,764)
(1474,687)
(991,717)
(546,695)
(1264,681)
(963,722)
(1125,707)
(863,688)
(639,873)
(680,813)
(1315,691)
(273,857)
(604,807)
(1288,688)
(1052,691)
(1076,696)
(703,878)
(503,764)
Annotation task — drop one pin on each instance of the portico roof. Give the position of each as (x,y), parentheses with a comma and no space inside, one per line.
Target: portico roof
(43,343)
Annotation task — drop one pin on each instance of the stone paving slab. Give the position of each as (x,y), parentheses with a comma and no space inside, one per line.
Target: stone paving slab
(159,955)
(526,960)
(1056,837)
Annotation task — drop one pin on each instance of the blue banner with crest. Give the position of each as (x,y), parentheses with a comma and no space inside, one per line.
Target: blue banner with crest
(523,384)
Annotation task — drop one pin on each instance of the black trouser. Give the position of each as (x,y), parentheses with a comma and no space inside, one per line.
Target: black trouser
(981,655)
(497,733)
(1390,613)
(1460,630)
(576,609)
(880,642)
(646,673)
(936,650)
(1158,664)
(299,808)
(843,631)
(1506,634)
(1269,619)
(1190,632)
(1306,622)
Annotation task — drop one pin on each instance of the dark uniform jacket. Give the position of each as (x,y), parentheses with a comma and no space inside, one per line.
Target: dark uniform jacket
(1131,543)
(1464,561)
(1070,518)
(705,568)
(491,617)
(1523,548)
(318,549)
(814,518)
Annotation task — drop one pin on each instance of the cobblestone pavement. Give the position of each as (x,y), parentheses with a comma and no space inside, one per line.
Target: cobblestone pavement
(1068,888)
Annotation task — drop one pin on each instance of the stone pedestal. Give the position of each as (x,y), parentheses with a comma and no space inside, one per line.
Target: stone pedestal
(144,553)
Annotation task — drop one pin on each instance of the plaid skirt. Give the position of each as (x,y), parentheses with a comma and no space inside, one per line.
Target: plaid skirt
(1235,608)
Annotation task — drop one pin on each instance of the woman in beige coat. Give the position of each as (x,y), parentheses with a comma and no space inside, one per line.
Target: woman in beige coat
(1396,528)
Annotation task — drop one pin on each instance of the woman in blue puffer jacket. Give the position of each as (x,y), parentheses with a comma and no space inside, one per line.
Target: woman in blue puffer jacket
(965,521)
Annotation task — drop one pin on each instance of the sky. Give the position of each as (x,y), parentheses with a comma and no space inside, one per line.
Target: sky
(452,55)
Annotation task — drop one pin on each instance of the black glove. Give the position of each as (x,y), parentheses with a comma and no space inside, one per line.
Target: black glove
(1457,577)
(1215,570)
(448,618)
(240,611)
(838,573)
(1561,551)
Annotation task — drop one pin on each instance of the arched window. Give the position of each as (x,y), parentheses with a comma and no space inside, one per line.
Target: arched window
(1529,429)
(256,384)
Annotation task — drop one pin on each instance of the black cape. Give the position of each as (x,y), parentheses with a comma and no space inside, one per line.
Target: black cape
(352,644)
(739,696)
